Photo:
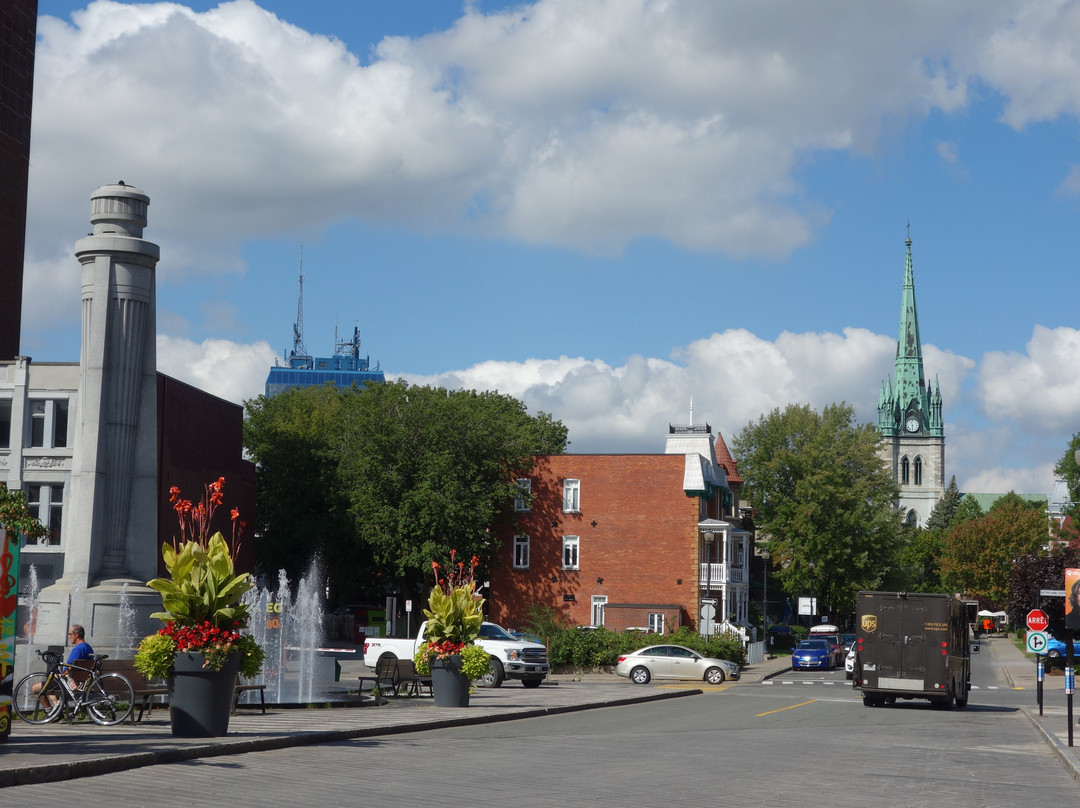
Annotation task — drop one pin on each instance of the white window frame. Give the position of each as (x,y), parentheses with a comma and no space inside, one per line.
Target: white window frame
(48,507)
(521,552)
(571,496)
(43,411)
(656,622)
(522,503)
(598,604)
(571,552)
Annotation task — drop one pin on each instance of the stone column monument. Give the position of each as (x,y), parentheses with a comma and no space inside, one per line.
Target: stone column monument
(111,531)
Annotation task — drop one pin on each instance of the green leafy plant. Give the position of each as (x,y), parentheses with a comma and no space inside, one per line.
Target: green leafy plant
(456,611)
(474,659)
(201,596)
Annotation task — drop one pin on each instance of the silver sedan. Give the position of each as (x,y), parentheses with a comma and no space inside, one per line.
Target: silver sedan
(674,662)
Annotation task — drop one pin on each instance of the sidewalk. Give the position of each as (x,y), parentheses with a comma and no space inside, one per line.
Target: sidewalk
(1053,725)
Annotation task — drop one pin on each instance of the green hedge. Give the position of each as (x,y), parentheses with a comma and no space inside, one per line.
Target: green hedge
(595,647)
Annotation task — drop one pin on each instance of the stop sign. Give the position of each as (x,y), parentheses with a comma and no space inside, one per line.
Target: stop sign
(1037,620)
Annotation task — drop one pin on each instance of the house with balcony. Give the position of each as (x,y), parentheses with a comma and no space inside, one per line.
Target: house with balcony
(629,541)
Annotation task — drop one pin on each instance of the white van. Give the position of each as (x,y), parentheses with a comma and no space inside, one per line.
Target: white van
(830,633)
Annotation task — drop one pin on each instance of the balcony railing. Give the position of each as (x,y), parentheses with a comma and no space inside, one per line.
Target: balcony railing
(718,574)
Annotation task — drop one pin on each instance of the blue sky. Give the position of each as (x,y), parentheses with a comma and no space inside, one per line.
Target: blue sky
(603,208)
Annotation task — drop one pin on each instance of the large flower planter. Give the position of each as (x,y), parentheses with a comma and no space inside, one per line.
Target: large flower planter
(200,699)
(449,685)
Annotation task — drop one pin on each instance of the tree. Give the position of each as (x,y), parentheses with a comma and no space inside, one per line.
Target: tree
(822,495)
(383,480)
(919,562)
(1034,572)
(968,509)
(941,517)
(15,515)
(1066,468)
(978,554)
(303,509)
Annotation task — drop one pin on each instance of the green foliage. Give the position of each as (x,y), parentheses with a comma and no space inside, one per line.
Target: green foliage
(941,517)
(474,661)
(968,510)
(15,516)
(382,479)
(1066,468)
(823,495)
(203,585)
(591,648)
(1033,572)
(978,554)
(455,616)
(155,656)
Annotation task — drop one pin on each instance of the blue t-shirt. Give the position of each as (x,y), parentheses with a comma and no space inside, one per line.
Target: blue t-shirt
(81,650)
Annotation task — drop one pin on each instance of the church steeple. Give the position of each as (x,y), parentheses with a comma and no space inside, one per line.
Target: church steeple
(909,405)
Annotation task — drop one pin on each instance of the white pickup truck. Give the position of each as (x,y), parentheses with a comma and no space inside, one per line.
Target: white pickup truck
(511,658)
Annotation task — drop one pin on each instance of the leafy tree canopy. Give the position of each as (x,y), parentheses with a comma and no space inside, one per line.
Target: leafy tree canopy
(822,495)
(968,509)
(1066,468)
(978,554)
(15,515)
(385,479)
(1031,574)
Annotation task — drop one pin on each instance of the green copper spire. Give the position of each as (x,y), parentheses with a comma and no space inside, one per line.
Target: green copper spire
(909,364)
(909,405)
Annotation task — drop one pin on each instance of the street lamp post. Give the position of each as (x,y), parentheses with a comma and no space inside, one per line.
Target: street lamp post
(765,596)
(811,594)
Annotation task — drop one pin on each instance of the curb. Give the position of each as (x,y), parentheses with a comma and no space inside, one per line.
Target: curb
(57,772)
(1067,757)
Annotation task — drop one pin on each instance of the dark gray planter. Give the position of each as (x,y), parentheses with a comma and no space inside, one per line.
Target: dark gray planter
(200,700)
(449,685)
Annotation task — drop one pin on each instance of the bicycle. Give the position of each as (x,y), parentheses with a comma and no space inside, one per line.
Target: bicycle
(108,698)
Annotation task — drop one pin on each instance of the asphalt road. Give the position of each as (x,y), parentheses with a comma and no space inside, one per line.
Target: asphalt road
(800,738)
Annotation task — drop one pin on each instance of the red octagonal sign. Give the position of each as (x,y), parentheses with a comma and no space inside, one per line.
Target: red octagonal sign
(1037,620)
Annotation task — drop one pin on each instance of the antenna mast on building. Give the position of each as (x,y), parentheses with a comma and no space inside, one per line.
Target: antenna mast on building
(298,326)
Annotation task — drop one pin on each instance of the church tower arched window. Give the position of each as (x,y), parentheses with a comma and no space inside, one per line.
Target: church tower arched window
(918,471)
(905,471)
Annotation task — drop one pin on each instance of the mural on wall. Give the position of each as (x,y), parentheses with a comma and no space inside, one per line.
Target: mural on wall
(9,610)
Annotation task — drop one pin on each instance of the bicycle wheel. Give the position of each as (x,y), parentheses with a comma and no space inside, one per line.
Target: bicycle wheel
(109,698)
(38,707)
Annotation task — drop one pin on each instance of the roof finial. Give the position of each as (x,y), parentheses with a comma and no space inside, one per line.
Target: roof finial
(691,410)
(908,241)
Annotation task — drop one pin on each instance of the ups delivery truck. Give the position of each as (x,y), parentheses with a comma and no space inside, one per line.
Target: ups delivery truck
(912,645)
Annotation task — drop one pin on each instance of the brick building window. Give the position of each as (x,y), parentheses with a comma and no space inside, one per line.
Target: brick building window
(570,552)
(598,604)
(521,552)
(521,501)
(656,622)
(571,496)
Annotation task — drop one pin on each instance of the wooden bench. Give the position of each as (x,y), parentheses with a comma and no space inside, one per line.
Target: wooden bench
(144,691)
(242,688)
(409,680)
(386,676)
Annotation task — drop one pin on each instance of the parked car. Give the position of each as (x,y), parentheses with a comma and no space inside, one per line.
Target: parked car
(812,654)
(848,640)
(849,663)
(1055,648)
(674,662)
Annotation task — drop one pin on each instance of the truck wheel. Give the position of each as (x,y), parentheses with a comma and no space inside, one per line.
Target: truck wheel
(640,675)
(494,676)
(961,701)
(869,700)
(531,683)
(714,676)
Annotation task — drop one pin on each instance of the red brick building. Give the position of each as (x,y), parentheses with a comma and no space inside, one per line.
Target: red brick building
(628,541)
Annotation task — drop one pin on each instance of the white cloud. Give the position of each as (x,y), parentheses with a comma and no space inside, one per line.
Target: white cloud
(1070,186)
(229,370)
(1038,390)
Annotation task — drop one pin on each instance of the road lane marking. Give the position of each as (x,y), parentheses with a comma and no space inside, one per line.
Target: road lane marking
(790,707)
